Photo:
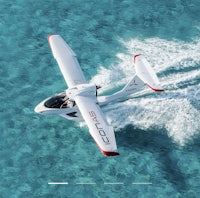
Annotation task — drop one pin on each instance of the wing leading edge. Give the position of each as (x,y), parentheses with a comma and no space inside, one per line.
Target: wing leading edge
(66,60)
(102,133)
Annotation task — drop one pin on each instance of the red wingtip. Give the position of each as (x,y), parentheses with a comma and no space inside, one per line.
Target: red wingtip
(48,38)
(154,89)
(108,153)
(136,57)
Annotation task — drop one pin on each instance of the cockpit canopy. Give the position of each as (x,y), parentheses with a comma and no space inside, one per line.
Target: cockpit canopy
(55,101)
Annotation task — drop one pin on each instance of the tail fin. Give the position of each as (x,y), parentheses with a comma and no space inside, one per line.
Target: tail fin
(146,73)
(134,85)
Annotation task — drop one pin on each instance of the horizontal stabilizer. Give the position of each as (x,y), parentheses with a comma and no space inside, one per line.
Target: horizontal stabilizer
(146,73)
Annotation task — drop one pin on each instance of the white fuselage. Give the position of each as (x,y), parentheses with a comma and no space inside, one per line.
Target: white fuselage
(63,103)
(80,101)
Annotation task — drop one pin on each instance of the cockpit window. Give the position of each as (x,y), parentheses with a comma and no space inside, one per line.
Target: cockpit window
(59,101)
(55,101)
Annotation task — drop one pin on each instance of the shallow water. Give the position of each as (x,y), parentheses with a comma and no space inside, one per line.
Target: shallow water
(157,133)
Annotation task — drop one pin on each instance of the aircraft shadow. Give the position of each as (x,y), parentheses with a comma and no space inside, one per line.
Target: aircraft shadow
(161,146)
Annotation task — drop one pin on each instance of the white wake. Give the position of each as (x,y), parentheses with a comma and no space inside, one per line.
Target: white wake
(177,109)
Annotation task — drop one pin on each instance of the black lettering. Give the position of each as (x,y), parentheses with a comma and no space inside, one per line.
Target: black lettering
(106,140)
(97,125)
(102,133)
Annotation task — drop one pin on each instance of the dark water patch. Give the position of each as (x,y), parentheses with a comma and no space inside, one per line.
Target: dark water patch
(159,144)
(178,70)
(188,83)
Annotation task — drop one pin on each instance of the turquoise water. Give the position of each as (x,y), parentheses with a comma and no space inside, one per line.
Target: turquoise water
(157,134)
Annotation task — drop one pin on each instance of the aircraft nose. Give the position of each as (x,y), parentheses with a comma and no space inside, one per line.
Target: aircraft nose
(38,109)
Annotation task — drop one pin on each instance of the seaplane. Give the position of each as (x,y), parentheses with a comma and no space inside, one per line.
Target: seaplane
(80,101)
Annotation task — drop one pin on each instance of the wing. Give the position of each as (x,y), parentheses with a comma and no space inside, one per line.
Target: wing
(102,133)
(66,60)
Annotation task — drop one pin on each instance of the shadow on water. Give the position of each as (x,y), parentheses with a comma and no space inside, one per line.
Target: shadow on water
(162,147)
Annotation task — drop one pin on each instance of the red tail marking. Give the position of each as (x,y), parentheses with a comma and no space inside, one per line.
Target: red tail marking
(136,57)
(158,90)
